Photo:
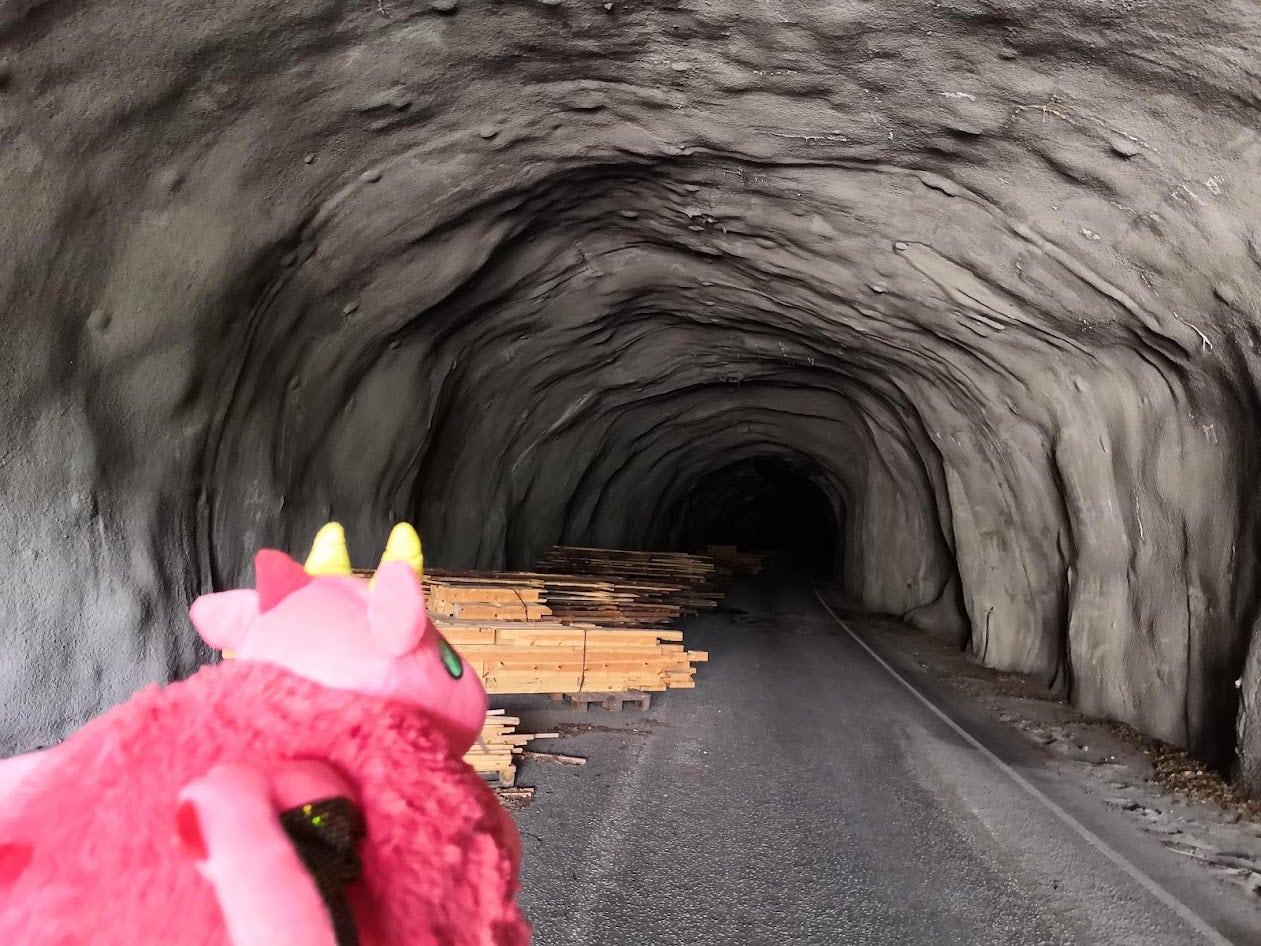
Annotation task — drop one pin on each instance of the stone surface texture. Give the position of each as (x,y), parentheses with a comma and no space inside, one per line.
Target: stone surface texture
(525,271)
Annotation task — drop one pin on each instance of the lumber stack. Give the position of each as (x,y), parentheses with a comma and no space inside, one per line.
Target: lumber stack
(532,596)
(496,758)
(482,596)
(543,657)
(733,560)
(581,599)
(677,579)
(601,587)
(479,597)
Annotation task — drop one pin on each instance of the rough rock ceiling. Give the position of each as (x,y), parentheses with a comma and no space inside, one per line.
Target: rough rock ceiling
(528,269)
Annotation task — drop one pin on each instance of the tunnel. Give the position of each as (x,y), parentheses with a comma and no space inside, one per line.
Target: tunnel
(958,301)
(766,504)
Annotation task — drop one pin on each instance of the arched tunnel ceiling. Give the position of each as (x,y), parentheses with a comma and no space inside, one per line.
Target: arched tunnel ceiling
(526,271)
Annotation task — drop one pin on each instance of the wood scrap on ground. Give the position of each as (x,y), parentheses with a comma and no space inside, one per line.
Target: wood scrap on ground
(495,757)
(557,757)
(515,799)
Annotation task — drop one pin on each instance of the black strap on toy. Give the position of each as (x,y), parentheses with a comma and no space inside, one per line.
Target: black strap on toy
(326,835)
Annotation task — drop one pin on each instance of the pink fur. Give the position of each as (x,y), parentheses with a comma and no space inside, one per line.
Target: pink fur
(15,770)
(107,867)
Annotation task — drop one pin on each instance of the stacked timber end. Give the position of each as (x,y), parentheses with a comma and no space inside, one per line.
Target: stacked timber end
(675,579)
(538,657)
(473,597)
(733,560)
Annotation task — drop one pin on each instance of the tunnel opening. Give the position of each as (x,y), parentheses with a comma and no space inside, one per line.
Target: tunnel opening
(773,505)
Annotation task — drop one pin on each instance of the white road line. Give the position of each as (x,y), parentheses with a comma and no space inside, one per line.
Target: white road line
(1188,916)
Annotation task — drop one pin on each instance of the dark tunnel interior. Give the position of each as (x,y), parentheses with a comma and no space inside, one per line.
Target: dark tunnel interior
(767,503)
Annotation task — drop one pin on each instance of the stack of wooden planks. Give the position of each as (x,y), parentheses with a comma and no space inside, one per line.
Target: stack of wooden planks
(732,559)
(532,596)
(495,759)
(601,587)
(670,579)
(482,597)
(581,599)
(540,657)
(535,596)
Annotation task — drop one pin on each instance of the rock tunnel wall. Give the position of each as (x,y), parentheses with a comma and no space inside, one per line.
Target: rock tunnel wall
(524,271)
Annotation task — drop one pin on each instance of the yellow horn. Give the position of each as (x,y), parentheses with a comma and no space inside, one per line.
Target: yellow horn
(404,546)
(328,552)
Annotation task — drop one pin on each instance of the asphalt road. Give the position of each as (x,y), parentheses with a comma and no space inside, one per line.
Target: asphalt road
(803,795)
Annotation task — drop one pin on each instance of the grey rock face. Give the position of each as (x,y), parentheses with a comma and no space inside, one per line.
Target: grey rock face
(527,271)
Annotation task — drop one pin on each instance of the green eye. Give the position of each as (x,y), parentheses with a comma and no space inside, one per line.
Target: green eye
(450,659)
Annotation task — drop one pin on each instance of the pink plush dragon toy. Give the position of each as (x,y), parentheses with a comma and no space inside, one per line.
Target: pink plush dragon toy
(310,792)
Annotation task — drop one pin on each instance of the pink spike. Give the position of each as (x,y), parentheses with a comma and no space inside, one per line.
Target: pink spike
(276,577)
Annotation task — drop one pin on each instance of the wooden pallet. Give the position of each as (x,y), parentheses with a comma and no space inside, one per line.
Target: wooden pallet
(610,701)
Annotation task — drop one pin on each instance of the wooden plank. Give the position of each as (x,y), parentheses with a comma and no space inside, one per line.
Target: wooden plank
(497,594)
(555,757)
